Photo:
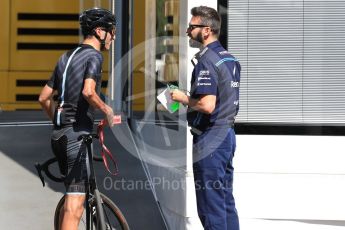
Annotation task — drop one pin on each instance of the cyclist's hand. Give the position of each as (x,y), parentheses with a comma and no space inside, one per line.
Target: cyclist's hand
(110,116)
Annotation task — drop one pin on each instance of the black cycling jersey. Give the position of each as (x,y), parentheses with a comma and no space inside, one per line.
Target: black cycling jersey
(68,78)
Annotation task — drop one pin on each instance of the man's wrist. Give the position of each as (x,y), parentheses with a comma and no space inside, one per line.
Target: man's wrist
(186,100)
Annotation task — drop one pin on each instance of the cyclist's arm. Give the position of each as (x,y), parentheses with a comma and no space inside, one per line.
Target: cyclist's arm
(46,101)
(89,93)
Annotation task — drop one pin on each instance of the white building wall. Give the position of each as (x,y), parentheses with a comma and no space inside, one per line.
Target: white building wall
(290,178)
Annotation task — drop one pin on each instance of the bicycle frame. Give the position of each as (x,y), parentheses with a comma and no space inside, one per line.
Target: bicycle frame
(94,198)
(92,188)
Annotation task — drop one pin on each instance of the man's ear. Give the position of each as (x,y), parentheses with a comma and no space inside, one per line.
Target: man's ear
(207,31)
(98,31)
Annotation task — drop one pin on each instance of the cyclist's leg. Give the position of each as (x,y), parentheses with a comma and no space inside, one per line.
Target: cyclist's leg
(72,211)
(59,147)
(73,166)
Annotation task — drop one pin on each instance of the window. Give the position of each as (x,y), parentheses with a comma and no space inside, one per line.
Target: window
(293,60)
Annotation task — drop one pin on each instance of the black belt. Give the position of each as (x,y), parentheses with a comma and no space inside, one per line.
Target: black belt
(200,130)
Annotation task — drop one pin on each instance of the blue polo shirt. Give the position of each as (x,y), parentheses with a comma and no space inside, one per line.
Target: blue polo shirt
(217,73)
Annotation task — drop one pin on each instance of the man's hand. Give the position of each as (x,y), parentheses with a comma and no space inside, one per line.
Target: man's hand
(179,96)
(204,104)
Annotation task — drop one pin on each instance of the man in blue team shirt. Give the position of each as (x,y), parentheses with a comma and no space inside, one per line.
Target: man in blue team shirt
(212,106)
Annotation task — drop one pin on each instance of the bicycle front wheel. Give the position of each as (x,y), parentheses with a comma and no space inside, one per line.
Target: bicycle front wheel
(114,218)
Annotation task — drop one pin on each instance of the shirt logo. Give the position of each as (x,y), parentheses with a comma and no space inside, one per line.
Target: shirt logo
(203,51)
(204,72)
(224,52)
(204,78)
(200,84)
(235,84)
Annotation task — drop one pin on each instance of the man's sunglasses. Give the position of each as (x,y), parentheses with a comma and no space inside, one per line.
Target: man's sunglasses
(193,26)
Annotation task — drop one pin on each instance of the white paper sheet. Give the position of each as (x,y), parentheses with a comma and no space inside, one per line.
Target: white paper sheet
(165,99)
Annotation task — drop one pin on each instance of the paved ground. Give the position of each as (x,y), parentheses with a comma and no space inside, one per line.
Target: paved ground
(25,204)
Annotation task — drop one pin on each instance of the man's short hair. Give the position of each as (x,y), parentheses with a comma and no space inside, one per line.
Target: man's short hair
(208,17)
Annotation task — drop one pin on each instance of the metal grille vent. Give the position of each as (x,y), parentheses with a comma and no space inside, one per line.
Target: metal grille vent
(293,60)
(46,31)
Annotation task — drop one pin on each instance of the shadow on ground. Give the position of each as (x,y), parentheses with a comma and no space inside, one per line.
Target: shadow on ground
(129,190)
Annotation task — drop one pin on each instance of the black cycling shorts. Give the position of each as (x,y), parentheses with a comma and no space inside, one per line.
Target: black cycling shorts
(72,158)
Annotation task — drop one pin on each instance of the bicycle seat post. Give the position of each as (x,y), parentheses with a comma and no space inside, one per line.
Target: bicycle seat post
(87,139)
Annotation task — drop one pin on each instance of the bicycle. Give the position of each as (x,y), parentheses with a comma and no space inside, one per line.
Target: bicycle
(100,212)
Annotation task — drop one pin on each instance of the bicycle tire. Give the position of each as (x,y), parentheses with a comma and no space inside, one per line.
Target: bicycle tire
(99,207)
(110,209)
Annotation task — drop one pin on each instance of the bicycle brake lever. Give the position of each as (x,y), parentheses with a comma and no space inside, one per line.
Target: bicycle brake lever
(39,169)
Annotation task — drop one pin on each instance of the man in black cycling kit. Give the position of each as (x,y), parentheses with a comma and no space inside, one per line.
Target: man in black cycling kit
(77,82)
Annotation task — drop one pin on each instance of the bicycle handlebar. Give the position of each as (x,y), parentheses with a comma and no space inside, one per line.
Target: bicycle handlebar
(45,167)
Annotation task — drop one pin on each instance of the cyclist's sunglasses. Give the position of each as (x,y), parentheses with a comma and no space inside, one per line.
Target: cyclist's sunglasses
(193,26)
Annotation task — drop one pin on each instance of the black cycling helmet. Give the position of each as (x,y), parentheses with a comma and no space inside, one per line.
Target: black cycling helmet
(96,17)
